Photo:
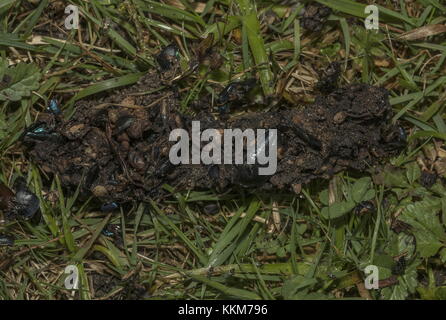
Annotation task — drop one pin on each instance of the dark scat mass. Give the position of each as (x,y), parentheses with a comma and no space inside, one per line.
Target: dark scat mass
(314,17)
(121,153)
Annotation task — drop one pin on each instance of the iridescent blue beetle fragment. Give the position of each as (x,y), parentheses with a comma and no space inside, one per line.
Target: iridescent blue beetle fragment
(53,107)
(108,207)
(40,131)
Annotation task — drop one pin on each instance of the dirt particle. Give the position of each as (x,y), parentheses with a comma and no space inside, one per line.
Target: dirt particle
(100,191)
(328,81)
(428,178)
(339,117)
(211,209)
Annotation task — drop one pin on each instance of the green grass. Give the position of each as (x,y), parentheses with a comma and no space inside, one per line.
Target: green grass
(258,246)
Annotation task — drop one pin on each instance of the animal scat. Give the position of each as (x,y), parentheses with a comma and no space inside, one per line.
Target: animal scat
(313,144)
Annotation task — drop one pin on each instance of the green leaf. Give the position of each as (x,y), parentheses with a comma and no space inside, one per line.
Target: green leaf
(405,286)
(438,293)
(428,231)
(295,284)
(80,254)
(401,243)
(323,197)
(369,195)
(254,35)
(338,209)
(395,178)
(13,40)
(427,245)
(107,85)
(443,255)
(360,188)
(6,3)
(22,80)
(413,172)
(383,260)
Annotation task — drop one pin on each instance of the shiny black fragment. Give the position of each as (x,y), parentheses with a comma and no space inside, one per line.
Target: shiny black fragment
(166,58)
(26,202)
(108,207)
(236,91)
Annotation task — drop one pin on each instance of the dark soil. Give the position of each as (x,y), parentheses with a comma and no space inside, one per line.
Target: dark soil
(428,178)
(314,17)
(329,78)
(129,289)
(116,147)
